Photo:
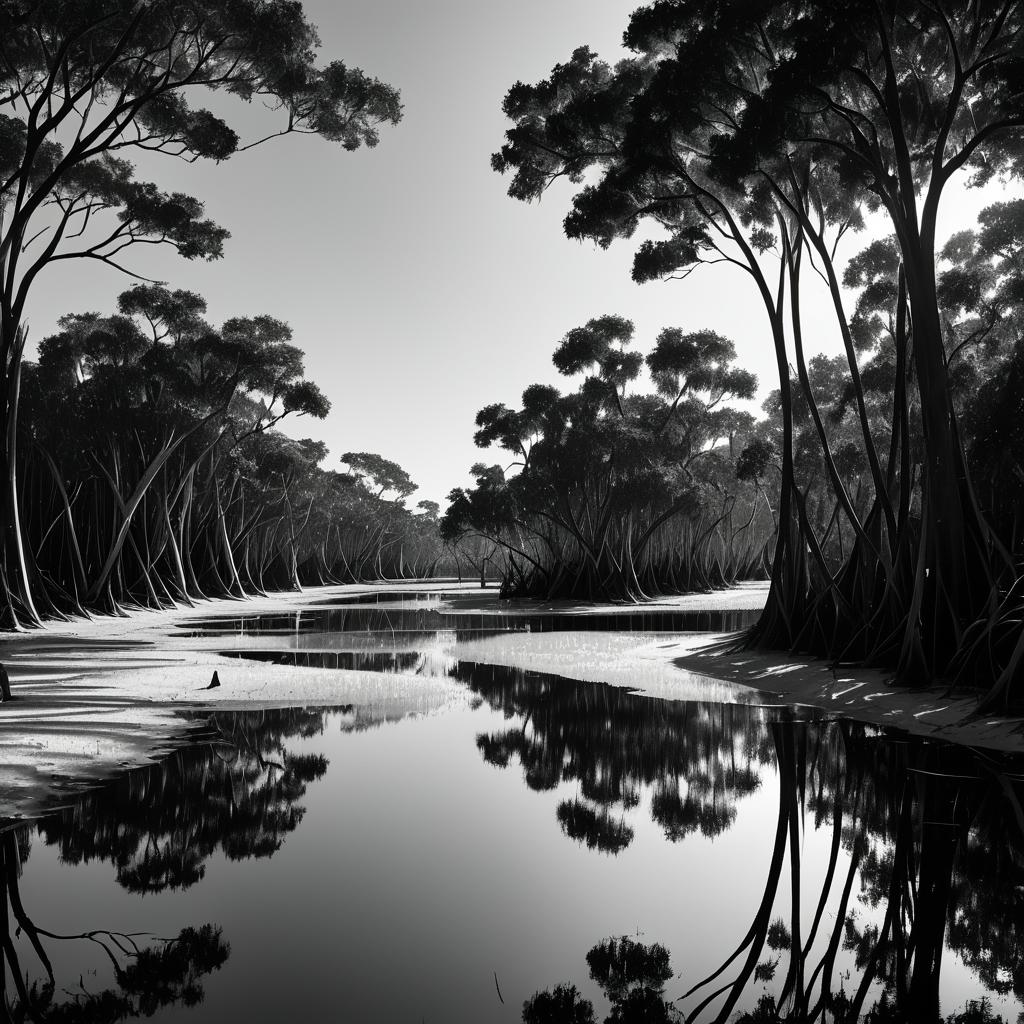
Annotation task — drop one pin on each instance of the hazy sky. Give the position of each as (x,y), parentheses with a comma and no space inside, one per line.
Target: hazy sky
(418,290)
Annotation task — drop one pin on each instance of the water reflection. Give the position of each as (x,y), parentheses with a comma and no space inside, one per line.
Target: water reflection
(393,615)
(236,791)
(631,976)
(699,759)
(931,832)
(360,661)
(136,974)
(433,658)
(880,859)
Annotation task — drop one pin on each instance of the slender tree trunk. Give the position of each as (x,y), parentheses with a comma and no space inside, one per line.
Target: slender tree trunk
(19,584)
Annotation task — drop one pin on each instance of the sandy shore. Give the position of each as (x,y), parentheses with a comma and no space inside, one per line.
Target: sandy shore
(97,696)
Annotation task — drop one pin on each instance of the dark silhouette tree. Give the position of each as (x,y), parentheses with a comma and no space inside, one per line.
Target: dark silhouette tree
(604,476)
(159,474)
(141,425)
(88,84)
(759,136)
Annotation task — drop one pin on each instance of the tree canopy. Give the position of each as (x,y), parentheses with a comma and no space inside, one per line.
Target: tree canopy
(604,474)
(760,135)
(88,85)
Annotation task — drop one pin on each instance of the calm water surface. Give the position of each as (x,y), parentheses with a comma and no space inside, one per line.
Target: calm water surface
(410,614)
(446,854)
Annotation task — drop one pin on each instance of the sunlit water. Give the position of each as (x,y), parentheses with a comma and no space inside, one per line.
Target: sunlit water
(379,862)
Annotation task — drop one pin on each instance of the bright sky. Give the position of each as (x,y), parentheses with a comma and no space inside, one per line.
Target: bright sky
(418,290)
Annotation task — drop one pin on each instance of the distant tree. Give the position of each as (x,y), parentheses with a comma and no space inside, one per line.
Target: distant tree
(604,474)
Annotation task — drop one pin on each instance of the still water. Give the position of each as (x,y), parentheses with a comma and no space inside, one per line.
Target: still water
(381,615)
(492,838)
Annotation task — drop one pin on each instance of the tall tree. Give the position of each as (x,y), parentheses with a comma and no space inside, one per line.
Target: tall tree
(768,129)
(88,83)
(899,97)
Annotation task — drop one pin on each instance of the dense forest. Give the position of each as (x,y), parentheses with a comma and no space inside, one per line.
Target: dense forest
(619,495)
(880,491)
(763,136)
(141,460)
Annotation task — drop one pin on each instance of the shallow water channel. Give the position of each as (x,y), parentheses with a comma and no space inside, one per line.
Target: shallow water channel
(444,849)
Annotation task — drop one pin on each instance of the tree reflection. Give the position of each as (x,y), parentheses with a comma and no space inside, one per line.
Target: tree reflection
(632,977)
(924,849)
(147,973)
(598,830)
(237,792)
(930,831)
(700,758)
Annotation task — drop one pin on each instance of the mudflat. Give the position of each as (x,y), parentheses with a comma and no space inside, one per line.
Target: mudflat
(96,696)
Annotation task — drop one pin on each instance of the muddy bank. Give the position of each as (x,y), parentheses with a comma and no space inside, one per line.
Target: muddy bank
(97,696)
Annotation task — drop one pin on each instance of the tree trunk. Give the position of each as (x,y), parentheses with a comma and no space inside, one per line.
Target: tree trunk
(19,585)
(956,577)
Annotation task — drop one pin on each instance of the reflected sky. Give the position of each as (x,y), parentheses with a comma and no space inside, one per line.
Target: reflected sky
(378,863)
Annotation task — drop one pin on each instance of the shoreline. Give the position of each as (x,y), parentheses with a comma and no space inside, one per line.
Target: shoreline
(96,697)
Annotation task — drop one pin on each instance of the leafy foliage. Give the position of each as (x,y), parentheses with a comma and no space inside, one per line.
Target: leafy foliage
(605,474)
(760,136)
(87,85)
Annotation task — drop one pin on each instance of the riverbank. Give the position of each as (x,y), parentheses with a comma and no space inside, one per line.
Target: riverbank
(97,696)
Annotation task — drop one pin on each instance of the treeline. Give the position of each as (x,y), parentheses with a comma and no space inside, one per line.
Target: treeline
(153,473)
(620,495)
(888,482)
(140,464)
(761,136)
